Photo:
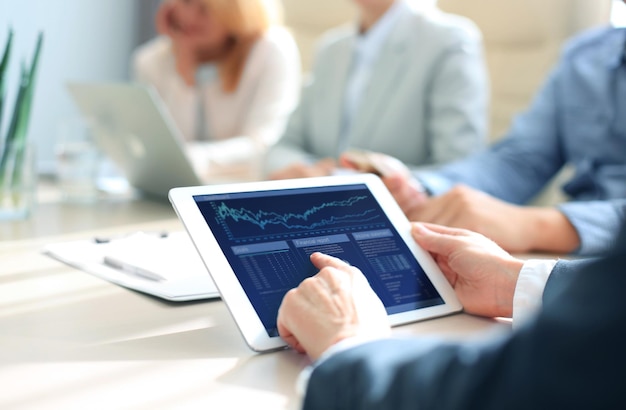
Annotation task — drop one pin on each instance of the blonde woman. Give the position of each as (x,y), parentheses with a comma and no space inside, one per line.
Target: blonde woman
(228,73)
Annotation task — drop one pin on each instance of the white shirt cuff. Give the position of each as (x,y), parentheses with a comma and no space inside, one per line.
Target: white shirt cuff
(529,289)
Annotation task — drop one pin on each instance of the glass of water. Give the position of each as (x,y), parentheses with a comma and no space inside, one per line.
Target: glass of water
(78,162)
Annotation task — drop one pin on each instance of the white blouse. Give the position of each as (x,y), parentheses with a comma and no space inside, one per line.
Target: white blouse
(240,125)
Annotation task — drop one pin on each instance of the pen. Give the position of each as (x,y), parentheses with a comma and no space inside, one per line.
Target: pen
(133,270)
(104,239)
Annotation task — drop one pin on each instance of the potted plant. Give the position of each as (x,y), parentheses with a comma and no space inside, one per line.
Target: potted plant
(16,162)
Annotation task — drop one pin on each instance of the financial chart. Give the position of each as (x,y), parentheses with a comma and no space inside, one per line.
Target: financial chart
(278,219)
(268,237)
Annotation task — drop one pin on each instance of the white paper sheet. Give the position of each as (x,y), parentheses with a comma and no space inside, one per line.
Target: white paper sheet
(171,257)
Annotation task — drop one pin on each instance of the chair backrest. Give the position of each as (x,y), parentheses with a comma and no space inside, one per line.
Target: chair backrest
(523,39)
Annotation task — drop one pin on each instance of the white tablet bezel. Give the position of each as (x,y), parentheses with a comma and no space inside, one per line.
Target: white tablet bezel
(232,292)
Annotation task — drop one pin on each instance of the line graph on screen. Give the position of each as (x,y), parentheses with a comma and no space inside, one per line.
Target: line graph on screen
(238,221)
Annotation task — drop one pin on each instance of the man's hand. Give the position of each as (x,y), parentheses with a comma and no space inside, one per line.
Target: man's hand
(321,168)
(482,274)
(515,228)
(467,208)
(331,306)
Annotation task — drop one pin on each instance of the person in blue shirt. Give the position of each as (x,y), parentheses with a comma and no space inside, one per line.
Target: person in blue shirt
(577,119)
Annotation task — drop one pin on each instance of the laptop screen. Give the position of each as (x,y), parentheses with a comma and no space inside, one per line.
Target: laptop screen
(268,236)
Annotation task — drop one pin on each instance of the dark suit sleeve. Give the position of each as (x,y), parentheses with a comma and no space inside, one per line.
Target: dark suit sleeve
(573,355)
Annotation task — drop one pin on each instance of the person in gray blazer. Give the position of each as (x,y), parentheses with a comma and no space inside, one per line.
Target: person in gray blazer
(568,355)
(404,81)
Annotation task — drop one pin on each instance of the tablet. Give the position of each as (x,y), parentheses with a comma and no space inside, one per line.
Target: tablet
(256,238)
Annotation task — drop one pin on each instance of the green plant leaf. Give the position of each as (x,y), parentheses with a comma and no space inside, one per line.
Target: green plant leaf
(15,119)
(3,70)
(15,140)
(26,103)
(4,63)
(21,111)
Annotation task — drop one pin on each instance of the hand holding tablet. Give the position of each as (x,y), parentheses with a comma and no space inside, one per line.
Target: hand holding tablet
(256,240)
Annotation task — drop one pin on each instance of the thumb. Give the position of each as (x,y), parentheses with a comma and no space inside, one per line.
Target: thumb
(441,243)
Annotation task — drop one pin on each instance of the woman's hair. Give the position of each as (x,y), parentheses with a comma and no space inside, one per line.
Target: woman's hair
(246,21)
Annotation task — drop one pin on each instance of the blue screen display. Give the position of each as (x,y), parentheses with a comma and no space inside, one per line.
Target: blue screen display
(268,236)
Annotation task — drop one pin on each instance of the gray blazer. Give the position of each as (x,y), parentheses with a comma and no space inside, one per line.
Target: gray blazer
(426,102)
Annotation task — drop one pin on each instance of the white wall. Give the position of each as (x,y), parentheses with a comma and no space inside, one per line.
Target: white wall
(85,40)
(618,15)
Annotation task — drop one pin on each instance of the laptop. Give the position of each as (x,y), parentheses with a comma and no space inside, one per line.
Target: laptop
(133,128)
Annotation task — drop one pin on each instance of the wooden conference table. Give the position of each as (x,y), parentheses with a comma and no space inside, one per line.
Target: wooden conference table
(70,340)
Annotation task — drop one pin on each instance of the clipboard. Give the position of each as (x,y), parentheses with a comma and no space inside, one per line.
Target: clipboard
(179,273)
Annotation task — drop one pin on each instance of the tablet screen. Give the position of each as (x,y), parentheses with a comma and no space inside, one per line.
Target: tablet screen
(268,236)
